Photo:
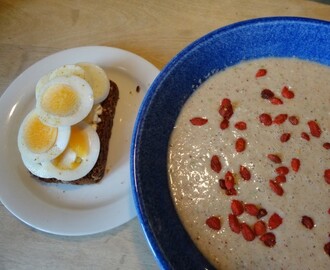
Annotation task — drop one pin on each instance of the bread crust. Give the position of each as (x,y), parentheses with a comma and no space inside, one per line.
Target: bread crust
(104,130)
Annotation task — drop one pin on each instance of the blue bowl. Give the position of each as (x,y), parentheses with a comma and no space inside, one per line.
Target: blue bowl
(307,39)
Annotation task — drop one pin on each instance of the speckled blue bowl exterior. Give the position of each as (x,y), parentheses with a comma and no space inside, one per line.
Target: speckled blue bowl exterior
(265,37)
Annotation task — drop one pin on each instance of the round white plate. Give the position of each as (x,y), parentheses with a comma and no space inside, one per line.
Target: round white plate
(66,209)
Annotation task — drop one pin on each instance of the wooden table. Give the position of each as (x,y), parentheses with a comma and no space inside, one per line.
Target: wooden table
(155,30)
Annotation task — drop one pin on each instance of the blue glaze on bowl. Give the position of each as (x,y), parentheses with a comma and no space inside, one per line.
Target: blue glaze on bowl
(303,38)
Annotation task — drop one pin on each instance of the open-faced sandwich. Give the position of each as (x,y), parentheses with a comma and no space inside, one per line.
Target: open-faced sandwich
(65,138)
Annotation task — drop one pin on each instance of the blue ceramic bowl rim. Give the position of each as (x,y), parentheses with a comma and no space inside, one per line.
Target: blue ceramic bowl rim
(142,212)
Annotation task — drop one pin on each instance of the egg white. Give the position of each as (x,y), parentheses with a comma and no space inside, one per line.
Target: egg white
(87,163)
(62,139)
(84,106)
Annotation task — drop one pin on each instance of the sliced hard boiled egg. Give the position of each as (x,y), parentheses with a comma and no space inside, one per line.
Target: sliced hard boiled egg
(98,80)
(38,142)
(64,101)
(79,157)
(62,71)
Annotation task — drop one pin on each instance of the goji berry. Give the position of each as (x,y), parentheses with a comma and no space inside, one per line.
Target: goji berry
(261,213)
(240,145)
(280,179)
(274,221)
(251,209)
(285,137)
(267,94)
(261,72)
(265,119)
(307,222)
(247,232)
(234,223)
(327,176)
(282,170)
(280,119)
(269,239)
(295,164)
(231,192)
(293,120)
(240,125)
(259,227)
(245,173)
(216,164)
(226,109)
(287,93)
(276,101)
(198,121)
(327,248)
(276,187)
(314,129)
(275,158)
(237,207)
(222,184)
(305,136)
(224,124)
(214,223)
(326,145)
(229,180)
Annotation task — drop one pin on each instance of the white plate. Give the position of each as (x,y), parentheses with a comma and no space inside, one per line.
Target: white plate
(65,209)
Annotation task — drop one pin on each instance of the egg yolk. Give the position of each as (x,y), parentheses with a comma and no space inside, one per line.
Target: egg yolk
(39,137)
(77,149)
(60,100)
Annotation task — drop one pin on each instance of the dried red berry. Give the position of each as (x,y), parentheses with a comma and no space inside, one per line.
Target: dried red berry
(216,164)
(327,248)
(305,136)
(261,213)
(274,221)
(224,124)
(287,93)
(280,119)
(240,145)
(276,187)
(259,227)
(222,184)
(247,232)
(198,121)
(229,180)
(293,120)
(231,192)
(327,176)
(234,223)
(240,125)
(245,173)
(282,170)
(261,72)
(274,158)
(276,101)
(214,223)
(265,119)
(285,137)
(251,209)
(326,145)
(267,94)
(237,207)
(295,164)
(307,222)
(269,239)
(280,179)
(314,129)
(226,109)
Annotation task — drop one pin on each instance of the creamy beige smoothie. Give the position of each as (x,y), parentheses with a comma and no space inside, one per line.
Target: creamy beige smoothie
(300,93)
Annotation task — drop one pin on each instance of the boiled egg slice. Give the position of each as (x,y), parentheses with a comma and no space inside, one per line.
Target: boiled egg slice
(62,71)
(64,101)
(79,157)
(38,142)
(98,80)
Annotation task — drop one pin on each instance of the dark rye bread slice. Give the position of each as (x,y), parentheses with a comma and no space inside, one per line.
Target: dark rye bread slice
(104,129)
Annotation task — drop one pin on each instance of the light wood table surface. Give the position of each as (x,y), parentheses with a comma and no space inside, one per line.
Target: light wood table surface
(155,30)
